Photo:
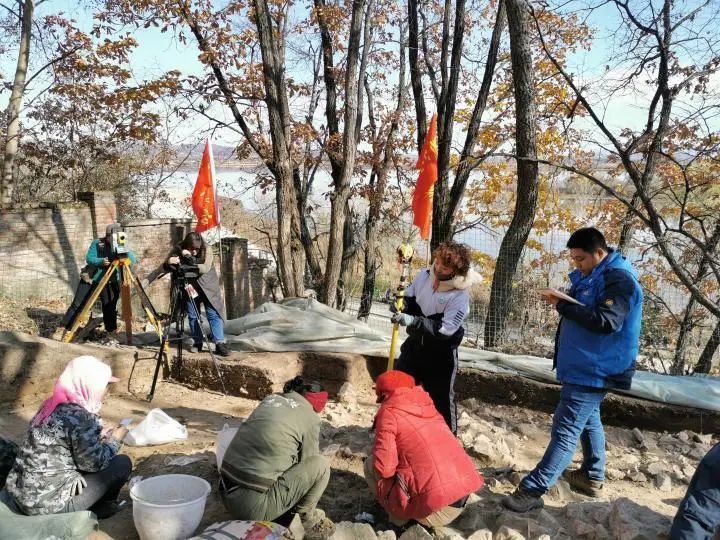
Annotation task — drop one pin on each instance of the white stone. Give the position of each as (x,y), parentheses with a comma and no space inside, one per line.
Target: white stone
(387,535)
(416,532)
(482,534)
(506,533)
(347,393)
(663,482)
(704,438)
(631,521)
(347,530)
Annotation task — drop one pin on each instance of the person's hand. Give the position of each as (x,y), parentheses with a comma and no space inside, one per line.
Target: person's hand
(186,253)
(393,306)
(403,319)
(550,299)
(78,485)
(174,260)
(119,433)
(106,262)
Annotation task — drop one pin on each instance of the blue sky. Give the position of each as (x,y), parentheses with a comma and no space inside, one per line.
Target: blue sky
(159,52)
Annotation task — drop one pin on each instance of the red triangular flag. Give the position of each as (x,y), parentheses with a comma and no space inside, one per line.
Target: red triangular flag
(204,201)
(422,203)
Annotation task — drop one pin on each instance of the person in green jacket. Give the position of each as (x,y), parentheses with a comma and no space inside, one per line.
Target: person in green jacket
(98,258)
(273,467)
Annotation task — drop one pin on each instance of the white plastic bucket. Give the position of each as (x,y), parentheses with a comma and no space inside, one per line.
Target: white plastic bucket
(168,507)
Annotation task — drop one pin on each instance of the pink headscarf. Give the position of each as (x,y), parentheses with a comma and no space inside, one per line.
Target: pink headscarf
(83,382)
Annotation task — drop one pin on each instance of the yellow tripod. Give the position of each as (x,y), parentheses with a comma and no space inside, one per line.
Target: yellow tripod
(127,278)
(405,254)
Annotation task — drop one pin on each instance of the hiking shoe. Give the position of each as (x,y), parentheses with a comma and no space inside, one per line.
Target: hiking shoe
(196,348)
(521,500)
(580,481)
(221,349)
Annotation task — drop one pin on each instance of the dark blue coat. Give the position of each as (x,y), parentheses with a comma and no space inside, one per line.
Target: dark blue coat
(597,343)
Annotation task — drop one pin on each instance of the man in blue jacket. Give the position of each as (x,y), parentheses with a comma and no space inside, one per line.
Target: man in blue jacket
(595,349)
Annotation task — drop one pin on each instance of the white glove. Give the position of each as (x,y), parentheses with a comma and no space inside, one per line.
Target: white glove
(186,253)
(78,486)
(174,260)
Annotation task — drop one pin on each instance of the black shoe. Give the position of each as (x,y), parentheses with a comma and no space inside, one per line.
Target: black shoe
(221,349)
(522,501)
(106,509)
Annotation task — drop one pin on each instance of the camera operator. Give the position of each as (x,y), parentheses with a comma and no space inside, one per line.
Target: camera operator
(99,256)
(193,251)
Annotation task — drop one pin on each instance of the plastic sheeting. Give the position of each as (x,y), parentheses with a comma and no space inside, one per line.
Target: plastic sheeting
(303,324)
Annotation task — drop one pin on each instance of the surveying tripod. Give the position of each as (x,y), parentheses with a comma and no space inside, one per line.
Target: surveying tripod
(121,265)
(181,292)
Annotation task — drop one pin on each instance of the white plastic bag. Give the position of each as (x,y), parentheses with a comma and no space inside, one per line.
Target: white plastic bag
(156,428)
(224,438)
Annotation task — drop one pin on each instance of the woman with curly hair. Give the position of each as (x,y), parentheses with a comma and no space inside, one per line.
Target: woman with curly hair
(436,305)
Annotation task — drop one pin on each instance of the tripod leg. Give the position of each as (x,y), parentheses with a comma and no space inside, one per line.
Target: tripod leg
(126,305)
(163,346)
(196,312)
(84,315)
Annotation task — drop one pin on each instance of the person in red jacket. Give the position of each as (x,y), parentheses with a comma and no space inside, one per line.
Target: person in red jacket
(418,470)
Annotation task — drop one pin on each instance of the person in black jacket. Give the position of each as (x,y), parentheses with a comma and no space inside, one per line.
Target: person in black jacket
(436,305)
(193,250)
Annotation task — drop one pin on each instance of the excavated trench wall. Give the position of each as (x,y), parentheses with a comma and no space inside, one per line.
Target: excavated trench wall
(30,365)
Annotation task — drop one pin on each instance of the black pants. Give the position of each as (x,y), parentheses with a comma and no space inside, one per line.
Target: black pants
(102,486)
(434,366)
(109,299)
(82,293)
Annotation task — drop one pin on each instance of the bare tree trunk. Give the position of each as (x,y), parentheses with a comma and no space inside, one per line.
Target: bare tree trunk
(416,73)
(378,185)
(527,171)
(704,363)
(12,136)
(442,223)
(289,248)
(467,161)
(341,193)
(350,249)
(678,365)
(305,236)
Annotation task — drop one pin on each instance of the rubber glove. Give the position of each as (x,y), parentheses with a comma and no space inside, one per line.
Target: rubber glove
(403,319)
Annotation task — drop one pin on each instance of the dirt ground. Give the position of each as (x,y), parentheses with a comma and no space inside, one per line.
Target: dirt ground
(504,441)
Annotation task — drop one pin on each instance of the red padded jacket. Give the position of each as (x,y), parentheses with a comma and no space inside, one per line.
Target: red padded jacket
(420,465)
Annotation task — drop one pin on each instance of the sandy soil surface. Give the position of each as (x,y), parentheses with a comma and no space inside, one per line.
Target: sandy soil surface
(647,471)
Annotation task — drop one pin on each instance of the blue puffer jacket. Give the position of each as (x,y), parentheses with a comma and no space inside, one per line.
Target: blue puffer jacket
(597,343)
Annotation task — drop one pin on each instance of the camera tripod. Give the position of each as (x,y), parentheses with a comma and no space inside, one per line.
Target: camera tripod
(121,265)
(180,294)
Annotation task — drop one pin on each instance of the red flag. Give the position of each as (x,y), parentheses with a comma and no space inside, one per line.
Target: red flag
(204,201)
(422,203)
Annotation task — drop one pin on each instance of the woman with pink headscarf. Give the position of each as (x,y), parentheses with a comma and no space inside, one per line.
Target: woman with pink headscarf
(67,463)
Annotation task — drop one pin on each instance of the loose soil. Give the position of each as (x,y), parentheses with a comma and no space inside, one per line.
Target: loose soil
(516,439)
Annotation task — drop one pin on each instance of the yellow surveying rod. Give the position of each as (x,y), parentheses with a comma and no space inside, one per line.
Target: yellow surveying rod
(405,254)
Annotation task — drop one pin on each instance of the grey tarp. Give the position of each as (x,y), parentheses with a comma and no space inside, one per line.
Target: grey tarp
(303,324)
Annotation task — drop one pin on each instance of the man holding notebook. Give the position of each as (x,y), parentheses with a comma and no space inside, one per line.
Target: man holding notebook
(595,349)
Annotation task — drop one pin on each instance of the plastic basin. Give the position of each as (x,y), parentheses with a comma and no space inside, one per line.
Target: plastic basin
(168,507)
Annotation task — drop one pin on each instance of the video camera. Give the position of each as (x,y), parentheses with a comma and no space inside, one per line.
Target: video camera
(185,271)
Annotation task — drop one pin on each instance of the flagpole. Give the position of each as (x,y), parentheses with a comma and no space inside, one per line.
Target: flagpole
(217,212)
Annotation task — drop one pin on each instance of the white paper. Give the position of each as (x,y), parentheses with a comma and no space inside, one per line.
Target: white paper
(561,295)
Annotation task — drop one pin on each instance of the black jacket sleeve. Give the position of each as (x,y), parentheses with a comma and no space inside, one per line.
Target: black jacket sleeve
(608,315)
(422,324)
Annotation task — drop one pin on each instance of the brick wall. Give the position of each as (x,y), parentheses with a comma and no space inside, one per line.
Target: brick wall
(43,247)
